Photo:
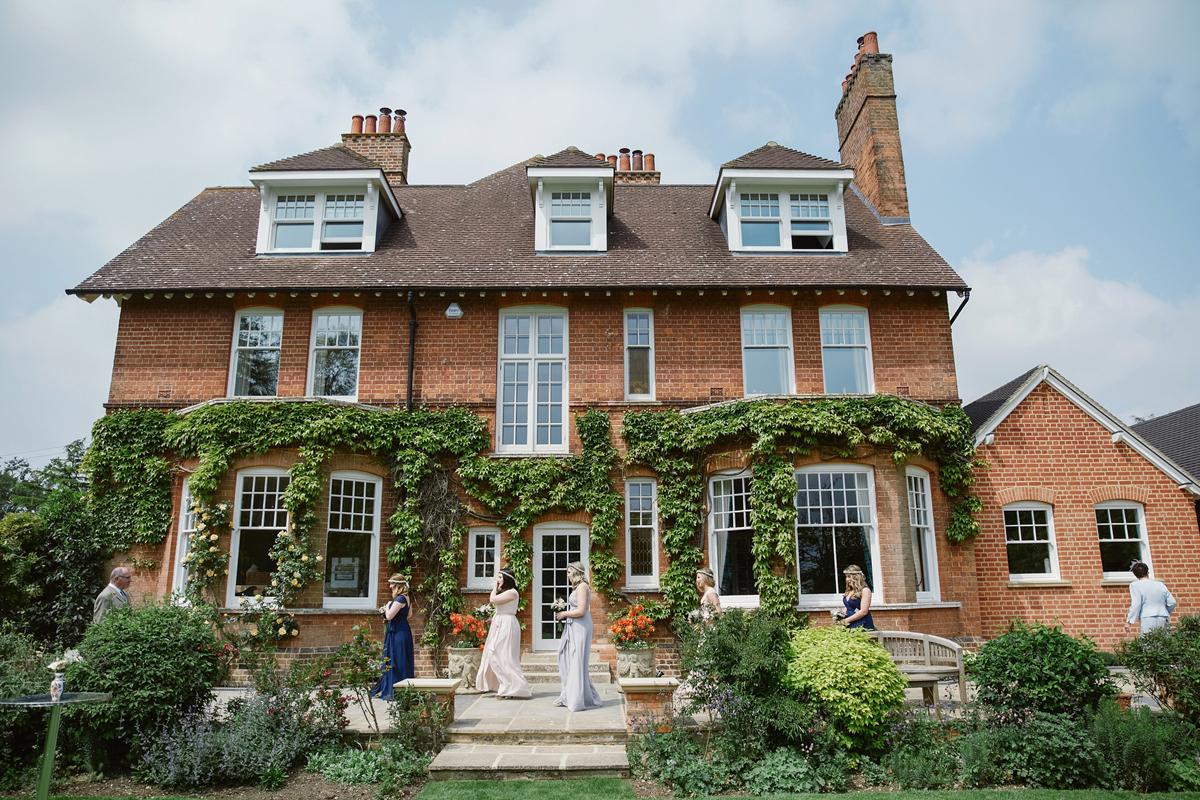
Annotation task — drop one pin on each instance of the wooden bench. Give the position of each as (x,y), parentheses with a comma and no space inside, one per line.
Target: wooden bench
(925,659)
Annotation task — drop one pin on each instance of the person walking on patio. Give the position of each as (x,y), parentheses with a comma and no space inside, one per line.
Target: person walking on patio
(500,668)
(706,587)
(575,647)
(398,657)
(1151,602)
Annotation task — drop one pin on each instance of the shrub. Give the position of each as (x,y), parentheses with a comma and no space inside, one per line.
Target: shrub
(852,677)
(1053,751)
(1165,663)
(394,765)
(1039,668)
(911,769)
(22,672)
(158,662)
(1137,748)
(677,758)
(925,754)
(783,771)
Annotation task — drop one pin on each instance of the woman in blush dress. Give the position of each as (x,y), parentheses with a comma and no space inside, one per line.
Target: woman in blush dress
(575,646)
(706,587)
(398,661)
(500,669)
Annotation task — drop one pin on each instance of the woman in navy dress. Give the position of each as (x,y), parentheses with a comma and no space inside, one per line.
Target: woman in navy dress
(398,661)
(857,599)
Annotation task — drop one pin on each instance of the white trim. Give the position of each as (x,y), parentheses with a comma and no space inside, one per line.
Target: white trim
(877,588)
(368,602)
(322,189)
(734,600)
(1143,541)
(312,350)
(783,192)
(179,574)
(933,590)
(844,308)
(554,528)
(486,582)
(776,177)
(231,382)
(625,350)
(326,177)
(768,308)
(642,582)
(1027,577)
(235,537)
(532,358)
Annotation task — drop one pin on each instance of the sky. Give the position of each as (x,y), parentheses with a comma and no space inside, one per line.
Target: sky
(1052,150)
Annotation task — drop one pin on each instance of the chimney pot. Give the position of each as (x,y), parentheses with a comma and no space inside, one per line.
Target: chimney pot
(369,127)
(600,156)
(398,120)
(624,167)
(637,160)
(869,42)
(385,120)
(612,160)
(649,157)
(356,123)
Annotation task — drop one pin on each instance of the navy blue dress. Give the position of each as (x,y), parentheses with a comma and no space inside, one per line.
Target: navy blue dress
(853,604)
(397,652)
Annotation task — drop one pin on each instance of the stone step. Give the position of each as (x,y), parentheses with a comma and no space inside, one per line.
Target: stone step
(608,736)
(516,762)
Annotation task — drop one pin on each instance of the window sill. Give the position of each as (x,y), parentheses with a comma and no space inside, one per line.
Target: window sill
(1047,584)
(476,590)
(314,253)
(825,606)
(655,589)
(569,252)
(562,454)
(775,252)
(1117,582)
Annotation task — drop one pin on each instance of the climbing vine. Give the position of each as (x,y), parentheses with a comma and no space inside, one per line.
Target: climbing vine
(675,445)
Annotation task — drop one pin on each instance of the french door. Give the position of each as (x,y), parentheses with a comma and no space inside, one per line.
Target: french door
(555,544)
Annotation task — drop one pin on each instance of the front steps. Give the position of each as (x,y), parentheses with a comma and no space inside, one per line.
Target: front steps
(476,762)
(543,668)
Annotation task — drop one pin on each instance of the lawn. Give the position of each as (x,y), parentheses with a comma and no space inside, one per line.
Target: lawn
(603,788)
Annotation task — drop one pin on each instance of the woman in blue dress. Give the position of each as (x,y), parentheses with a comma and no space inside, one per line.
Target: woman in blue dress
(398,661)
(857,599)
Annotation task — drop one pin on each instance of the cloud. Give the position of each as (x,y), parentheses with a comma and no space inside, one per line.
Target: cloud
(1118,343)
(58,362)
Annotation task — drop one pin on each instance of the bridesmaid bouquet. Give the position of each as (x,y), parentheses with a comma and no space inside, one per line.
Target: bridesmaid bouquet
(838,614)
(559,604)
(485,611)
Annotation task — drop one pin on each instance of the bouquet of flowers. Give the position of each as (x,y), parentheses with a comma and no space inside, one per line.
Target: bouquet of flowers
(485,611)
(559,604)
(468,631)
(69,657)
(633,628)
(837,614)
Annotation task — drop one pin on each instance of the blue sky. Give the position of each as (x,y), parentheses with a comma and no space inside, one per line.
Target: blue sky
(1052,150)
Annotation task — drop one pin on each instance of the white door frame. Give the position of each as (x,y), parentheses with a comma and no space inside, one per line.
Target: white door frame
(551,528)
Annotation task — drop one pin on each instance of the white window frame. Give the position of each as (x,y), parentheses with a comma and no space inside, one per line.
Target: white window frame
(928,538)
(642,581)
(785,183)
(1032,577)
(544,181)
(371,600)
(653,389)
(847,309)
(532,358)
(486,582)
(1144,541)
(231,385)
(736,600)
(321,200)
(312,350)
(877,588)
(235,537)
(827,219)
(744,197)
(767,308)
(187,525)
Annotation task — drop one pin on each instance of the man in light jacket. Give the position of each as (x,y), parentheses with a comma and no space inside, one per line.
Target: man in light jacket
(113,596)
(1151,600)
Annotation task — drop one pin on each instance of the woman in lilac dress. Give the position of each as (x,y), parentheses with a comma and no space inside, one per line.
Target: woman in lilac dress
(398,655)
(575,646)
(500,668)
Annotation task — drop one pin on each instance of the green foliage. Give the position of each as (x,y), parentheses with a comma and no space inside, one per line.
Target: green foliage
(360,662)
(22,672)
(924,751)
(1137,748)
(676,445)
(1165,663)
(19,532)
(914,769)
(852,676)
(130,477)
(206,561)
(783,771)
(1039,668)
(156,661)
(676,757)
(1053,751)
(393,764)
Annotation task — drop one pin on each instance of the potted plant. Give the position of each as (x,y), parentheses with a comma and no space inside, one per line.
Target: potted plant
(468,634)
(635,651)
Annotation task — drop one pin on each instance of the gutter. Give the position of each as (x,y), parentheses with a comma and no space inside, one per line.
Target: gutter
(961,306)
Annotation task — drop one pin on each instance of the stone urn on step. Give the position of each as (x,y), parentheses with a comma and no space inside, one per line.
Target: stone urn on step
(464,664)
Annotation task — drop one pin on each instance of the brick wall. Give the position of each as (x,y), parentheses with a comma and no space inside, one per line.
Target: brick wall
(1050,450)
(869,135)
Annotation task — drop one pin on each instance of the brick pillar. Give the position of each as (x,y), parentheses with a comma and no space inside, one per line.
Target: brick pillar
(898,576)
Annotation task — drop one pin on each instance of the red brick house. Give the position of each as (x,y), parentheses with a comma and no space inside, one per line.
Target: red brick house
(1073,497)
(552,286)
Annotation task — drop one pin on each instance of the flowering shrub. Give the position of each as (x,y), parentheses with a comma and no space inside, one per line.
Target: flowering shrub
(205,560)
(468,631)
(225,655)
(296,562)
(266,628)
(361,660)
(632,629)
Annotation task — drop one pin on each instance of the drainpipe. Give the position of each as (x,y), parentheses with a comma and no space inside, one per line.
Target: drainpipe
(412,346)
(966,297)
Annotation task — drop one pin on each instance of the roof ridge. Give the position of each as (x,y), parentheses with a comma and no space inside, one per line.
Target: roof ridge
(776,147)
(339,147)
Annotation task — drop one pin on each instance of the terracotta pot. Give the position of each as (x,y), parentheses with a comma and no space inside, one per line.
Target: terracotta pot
(636,663)
(464,663)
(1123,701)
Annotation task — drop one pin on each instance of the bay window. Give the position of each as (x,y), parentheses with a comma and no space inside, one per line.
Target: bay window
(835,528)
(258,518)
(352,544)
(731,536)
(920,524)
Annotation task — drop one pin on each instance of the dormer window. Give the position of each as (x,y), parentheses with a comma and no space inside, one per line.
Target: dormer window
(812,228)
(571,219)
(341,221)
(760,219)
(341,232)
(294,221)
(572,196)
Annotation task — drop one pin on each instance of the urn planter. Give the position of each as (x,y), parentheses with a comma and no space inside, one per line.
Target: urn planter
(464,664)
(636,663)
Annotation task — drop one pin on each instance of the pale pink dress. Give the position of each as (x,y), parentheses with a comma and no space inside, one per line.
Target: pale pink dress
(500,669)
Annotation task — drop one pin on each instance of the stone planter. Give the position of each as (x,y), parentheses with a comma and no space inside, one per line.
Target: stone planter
(464,664)
(636,663)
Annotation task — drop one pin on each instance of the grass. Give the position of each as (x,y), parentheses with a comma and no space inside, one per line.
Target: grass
(604,788)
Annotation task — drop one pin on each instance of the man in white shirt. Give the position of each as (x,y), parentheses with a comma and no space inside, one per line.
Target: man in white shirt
(1151,601)
(113,596)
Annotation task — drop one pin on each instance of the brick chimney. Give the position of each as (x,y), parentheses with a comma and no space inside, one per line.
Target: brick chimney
(869,132)
(385,142)
(634,167)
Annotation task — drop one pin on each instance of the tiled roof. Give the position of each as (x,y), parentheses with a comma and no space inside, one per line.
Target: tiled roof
(336,157)
(1177,435)
(774,156)
(480,236)
(571,157)
(981,410)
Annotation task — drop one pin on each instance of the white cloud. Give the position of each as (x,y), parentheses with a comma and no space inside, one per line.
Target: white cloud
(1128,349)
(58,362)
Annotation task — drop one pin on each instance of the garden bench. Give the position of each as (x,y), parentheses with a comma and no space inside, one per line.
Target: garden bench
(925,659)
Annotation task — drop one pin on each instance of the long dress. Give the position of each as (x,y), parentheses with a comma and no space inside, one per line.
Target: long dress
(500,668)
(853,604)
(574,652)
(399,663)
